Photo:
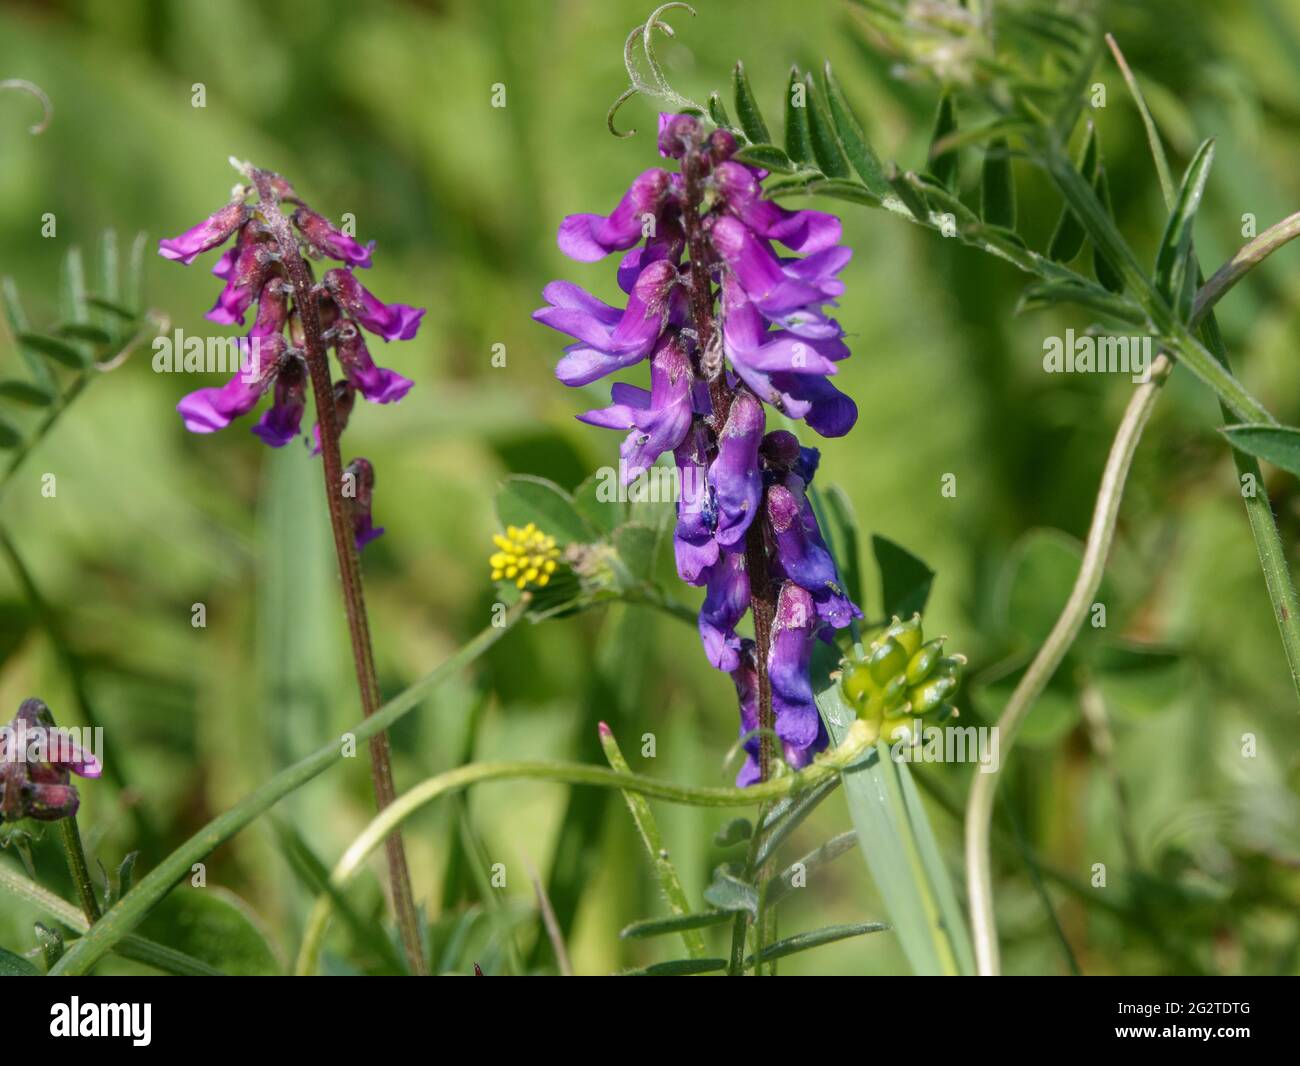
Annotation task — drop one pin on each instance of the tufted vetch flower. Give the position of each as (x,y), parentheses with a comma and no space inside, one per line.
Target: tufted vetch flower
(37,761)
(731,326)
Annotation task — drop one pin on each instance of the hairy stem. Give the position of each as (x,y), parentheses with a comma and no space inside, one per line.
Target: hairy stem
(70,837)
(354,600)
(762,600)
(979,810)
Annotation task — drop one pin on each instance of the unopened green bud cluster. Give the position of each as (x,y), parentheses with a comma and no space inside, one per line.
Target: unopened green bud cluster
(902,676)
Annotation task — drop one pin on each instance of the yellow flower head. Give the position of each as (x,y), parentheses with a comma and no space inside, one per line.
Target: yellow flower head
(525,556)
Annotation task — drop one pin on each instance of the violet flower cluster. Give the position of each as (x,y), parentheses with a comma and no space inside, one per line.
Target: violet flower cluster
(254,274)
(730,326)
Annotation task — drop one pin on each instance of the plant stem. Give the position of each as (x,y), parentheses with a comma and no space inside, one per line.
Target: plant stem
(70,837)
(354,602)
(859,738)
(669,883)
(761,599)
(154,886)
(979,810)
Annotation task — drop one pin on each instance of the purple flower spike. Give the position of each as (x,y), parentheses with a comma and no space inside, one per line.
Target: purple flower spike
(211,409)
(729,324)
(725,604)
(359,479)
(393,322)
(374,383)
(734,476)
(281,422)
(336,244)
(588,238)
(208,234)
(660,419)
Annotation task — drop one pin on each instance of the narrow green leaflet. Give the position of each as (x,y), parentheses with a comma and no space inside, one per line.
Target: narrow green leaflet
(1067,240)
(17,319)
(751,119)
(767,156)
(1173,258)
(815,939)
(25,393)
(677,924)
(944,161)
(12,965)
(798,137)
(825,144)
(1279,445)
(997,186)
(58,350)
(856,146)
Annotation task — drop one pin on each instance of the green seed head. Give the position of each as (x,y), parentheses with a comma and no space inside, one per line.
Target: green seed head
(920,665)
(928,696)
(858,684)
(908,633)
(886,659)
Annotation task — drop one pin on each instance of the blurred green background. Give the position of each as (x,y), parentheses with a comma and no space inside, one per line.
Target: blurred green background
(384,110)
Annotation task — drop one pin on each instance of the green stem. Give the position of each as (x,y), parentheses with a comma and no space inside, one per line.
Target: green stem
(70,837)
(979,810)
(354,858)
(669,883)
(306,306)
(131,908)
(137,948)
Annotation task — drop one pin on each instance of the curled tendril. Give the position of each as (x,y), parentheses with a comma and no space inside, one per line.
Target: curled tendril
(658,86)
(35,90)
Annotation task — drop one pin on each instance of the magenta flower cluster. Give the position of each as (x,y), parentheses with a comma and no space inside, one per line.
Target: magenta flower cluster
(730,327)
(253,271)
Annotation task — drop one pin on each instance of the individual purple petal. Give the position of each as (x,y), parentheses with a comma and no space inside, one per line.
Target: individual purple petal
(254,259)
(759,271)
(332,242)
(208,410)
(345,398)
(734,475)
(697,511)
(374,383)
(797,722)
(206,235)
(803,557)
(393,322)
(659,420)
(281,422)
(359,486)
(667,243)
(819,403)
(725,603)
(633,333)
(800,231)
(588,238)
(272,309)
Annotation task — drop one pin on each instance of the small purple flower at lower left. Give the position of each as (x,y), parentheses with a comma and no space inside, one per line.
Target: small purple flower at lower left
(37,760)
